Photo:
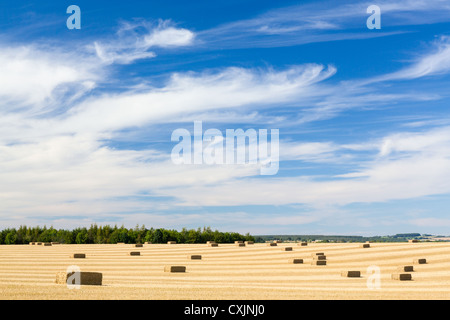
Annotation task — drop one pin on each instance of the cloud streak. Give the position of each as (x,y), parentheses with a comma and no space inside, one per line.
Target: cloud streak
(135,40)
(322,22)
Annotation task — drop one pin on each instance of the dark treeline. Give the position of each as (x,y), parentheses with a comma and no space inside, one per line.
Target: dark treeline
(107,234)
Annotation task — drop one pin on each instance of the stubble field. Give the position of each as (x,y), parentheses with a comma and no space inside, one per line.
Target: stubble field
(226,272)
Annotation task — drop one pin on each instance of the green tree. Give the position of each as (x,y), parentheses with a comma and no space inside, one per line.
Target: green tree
(82,237)
(157,236)
(10,238)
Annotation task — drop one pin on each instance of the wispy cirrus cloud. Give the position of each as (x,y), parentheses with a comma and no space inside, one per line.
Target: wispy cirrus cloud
(434,62)
(32,77)
(135,40)
(322,22)
(230,88)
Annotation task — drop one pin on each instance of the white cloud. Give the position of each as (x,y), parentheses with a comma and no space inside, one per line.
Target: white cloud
(434,63)
(309,151)
(194,93)
(321,22)
(169,37)
(132,44)
(108,54)
(31,76)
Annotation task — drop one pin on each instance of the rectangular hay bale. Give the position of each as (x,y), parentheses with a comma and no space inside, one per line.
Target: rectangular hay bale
(272,244)
(249,242)
(86,278)
(319,262)
(420,261)
(134,253)
(405,269)
(47,244)
(287,249)
(296,261)
(319,258)
(171,242)
(303,244)
(401,276)
(351,274)
(213,244)
(195,257)
(240,244)
(138,245)
(365,245)
(78,255)
(174,269)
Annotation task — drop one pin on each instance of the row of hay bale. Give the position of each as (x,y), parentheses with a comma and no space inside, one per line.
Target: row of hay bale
(209,243)
(132,253)
(406,276)
(274,244)
(367,244)
(395,276)
(318,259)
(96,278)
(45,244)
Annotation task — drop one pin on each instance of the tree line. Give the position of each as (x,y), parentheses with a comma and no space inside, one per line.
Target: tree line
(404,237)
(112,235)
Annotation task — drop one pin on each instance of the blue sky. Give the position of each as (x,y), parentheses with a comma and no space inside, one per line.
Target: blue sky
(86,116)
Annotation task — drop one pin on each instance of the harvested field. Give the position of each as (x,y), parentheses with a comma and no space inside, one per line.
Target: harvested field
(226,272)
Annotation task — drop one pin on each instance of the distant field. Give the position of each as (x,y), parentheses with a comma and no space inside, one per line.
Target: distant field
(226,272)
